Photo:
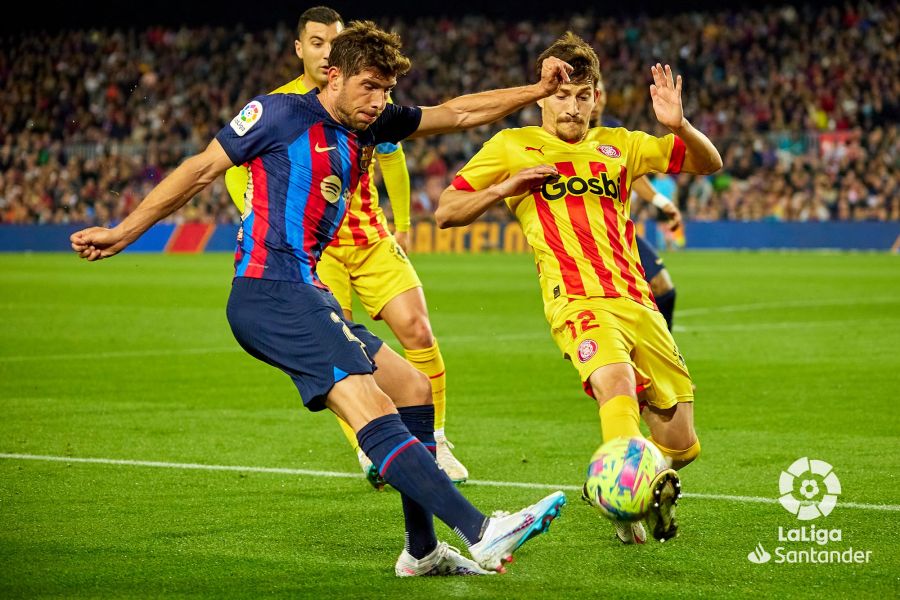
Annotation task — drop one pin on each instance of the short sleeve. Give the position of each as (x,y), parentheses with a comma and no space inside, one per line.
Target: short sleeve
(650,154)
(254,130)
(486,168)
(396,123)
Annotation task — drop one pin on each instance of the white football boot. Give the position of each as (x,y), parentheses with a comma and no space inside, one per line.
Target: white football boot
(503,535)
(630,532)
(443,560)
(627,532)
(449,463)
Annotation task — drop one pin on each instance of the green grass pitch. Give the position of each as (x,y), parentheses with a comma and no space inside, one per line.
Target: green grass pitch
(794,354)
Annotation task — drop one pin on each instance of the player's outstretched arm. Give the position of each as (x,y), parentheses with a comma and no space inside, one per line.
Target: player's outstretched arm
(473,110)
(700,155)
(395,174)
(645,191)
(461,207)
(172,193)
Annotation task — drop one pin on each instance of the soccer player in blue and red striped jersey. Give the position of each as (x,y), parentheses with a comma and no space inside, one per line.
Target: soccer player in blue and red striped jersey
(306,154)
(364,258)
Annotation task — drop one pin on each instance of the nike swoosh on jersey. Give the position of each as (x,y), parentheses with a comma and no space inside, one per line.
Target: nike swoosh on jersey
(325,149)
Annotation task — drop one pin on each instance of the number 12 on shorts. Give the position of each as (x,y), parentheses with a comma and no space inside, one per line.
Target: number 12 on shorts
(585,321)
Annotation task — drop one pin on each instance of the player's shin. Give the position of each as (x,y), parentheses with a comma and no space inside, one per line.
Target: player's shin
(620,417)
(410,468)
(420,536)
(430,362)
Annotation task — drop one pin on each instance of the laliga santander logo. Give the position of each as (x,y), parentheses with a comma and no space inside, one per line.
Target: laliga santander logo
(247,118)
(809,473)
(809,490)
(251,112)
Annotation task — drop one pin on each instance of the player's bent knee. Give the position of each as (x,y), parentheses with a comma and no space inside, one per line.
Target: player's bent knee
(612,380)
(605,393)
(417,334)
(358,400)
(680,458)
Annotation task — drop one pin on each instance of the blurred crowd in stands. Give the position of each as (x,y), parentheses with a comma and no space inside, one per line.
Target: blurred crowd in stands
(802,101)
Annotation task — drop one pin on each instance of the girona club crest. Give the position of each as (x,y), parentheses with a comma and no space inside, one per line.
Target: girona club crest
(608,150)
(586,350)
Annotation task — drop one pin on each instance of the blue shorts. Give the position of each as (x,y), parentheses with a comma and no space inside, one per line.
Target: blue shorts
(650,260)
(301,330)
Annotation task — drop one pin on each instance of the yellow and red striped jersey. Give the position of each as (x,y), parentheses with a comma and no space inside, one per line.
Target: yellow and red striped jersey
(579,225)
(364,223)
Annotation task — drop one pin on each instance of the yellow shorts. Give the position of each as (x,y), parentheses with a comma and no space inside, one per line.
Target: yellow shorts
(595,332)
(378,273)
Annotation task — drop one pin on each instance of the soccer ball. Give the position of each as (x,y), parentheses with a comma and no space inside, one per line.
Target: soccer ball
(620,475)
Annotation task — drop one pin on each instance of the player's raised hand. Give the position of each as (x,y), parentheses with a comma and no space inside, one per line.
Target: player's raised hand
(525,180)
(554,72)
(95,243)
(665,91)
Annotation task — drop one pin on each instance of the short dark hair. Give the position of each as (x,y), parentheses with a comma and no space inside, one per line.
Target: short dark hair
(578,53)
(364,46)
(318,14)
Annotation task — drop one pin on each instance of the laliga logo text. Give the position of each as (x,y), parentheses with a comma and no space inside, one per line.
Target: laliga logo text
(807,478)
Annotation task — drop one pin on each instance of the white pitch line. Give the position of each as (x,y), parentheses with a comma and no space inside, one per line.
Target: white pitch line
(342,475)
(183,466)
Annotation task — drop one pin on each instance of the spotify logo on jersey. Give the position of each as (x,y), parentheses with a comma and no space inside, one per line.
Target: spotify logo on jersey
(331,188)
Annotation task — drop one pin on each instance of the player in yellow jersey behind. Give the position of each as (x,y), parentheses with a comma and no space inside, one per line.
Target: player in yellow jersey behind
(364,256)
(568,186)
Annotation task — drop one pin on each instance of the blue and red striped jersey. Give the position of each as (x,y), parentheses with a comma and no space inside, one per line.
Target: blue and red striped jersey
(304,166)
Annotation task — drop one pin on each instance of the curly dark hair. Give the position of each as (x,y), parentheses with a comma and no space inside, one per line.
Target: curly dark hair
(364,46)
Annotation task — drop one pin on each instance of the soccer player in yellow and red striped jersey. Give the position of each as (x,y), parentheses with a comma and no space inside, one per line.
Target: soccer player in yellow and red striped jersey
(568,186)
(364,256)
